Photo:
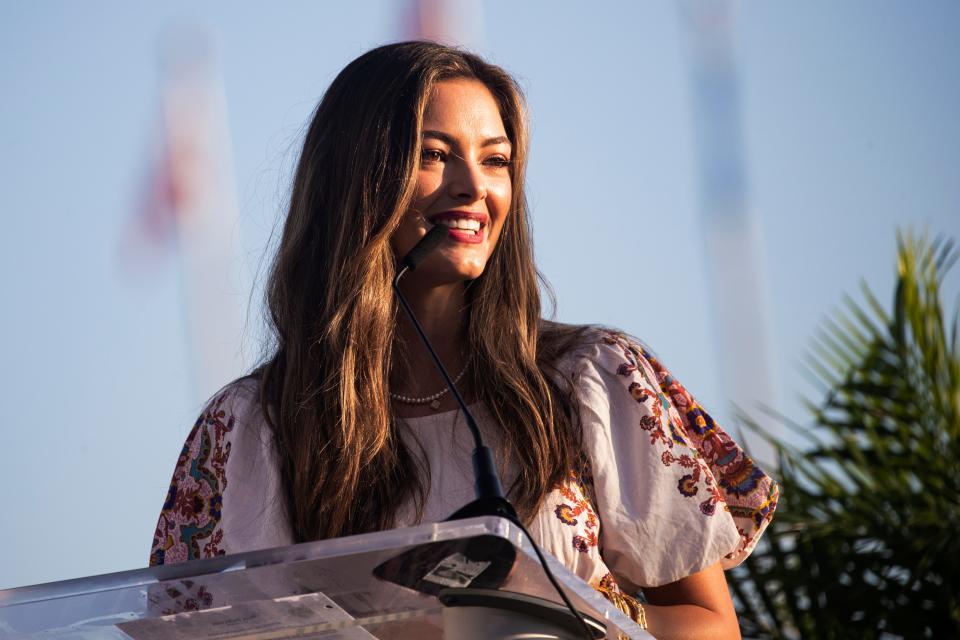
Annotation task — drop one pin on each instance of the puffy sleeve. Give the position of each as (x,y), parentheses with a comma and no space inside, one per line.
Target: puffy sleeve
(675,494)
(225,495)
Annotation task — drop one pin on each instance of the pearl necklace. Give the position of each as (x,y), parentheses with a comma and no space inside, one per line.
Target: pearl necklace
(432,400)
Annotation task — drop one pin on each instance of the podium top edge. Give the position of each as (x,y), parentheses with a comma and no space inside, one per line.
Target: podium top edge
(305,551)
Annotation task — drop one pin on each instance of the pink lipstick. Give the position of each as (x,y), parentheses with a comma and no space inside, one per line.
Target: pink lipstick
(462,226)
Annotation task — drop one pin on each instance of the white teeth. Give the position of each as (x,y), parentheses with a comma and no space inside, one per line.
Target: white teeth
(465,224)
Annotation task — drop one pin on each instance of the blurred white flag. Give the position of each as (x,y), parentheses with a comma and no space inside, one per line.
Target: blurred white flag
(451,22)
(190,203)
(736,270)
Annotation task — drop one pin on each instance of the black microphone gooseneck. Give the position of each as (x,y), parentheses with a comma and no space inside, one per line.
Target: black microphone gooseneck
(490,500)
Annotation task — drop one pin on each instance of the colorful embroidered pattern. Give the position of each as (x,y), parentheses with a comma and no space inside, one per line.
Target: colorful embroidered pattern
(580,514)
(579,491)
(609,589)
(189,524)
(716,470)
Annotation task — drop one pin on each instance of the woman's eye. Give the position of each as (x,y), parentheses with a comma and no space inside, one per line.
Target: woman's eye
(499,162)
(431,155)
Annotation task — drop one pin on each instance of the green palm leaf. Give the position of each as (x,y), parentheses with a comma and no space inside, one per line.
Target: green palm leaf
(866,543)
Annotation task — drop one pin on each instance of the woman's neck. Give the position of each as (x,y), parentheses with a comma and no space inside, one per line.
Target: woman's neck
(442,315)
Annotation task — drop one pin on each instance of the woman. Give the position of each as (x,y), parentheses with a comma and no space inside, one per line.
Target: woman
(346,428)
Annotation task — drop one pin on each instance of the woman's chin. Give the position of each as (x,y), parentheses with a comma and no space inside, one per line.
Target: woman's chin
(461,275)
(446,267)
(451,275)
(471,269)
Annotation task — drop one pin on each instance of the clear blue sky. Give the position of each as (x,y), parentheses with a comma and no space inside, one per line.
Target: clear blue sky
(851,130)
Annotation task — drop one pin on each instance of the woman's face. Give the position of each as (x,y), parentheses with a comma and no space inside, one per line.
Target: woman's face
(464,182)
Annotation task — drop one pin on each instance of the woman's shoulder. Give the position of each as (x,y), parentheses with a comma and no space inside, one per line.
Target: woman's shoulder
(229,443)
(654,450)
(231,417)
(243,394)
(570,348)
(236,410)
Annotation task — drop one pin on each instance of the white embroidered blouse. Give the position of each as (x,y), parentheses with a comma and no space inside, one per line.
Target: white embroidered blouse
(670,493)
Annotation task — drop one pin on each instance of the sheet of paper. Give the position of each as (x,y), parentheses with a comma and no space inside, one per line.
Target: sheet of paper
(456,571)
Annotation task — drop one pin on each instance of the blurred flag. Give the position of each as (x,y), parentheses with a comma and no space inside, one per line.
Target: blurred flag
(189,211)
(452,22)
(735,267)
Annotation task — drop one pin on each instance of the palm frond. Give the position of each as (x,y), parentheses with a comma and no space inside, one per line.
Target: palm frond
(865,542)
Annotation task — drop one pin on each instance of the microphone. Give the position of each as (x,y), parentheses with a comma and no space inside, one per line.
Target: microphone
(485,560)
(422,249)
(490,500)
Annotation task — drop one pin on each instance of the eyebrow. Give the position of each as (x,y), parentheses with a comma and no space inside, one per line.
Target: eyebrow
(443,137)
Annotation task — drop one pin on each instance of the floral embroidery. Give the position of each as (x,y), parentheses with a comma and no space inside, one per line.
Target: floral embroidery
(575,491)
(582,544)
(688,485)
(626,369)
(716,469)
(566,514)
(609,589)
(192,511)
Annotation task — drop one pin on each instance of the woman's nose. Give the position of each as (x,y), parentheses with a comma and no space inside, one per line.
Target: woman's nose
(467,181)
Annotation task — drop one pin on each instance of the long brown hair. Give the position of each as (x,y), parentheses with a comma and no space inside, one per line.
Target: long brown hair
(344,466)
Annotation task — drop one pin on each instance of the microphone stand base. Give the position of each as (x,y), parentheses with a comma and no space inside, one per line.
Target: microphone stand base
(487,614)
(485,507)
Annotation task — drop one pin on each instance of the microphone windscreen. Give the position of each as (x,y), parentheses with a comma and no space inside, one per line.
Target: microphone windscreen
(427,244)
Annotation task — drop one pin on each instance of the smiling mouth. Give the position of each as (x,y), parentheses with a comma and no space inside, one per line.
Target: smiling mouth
(467,226)
(463,226)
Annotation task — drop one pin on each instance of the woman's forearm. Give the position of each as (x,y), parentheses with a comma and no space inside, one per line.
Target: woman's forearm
(689,622)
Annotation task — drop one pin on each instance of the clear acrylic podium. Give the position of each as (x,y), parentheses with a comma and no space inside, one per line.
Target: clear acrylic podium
(378,585)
